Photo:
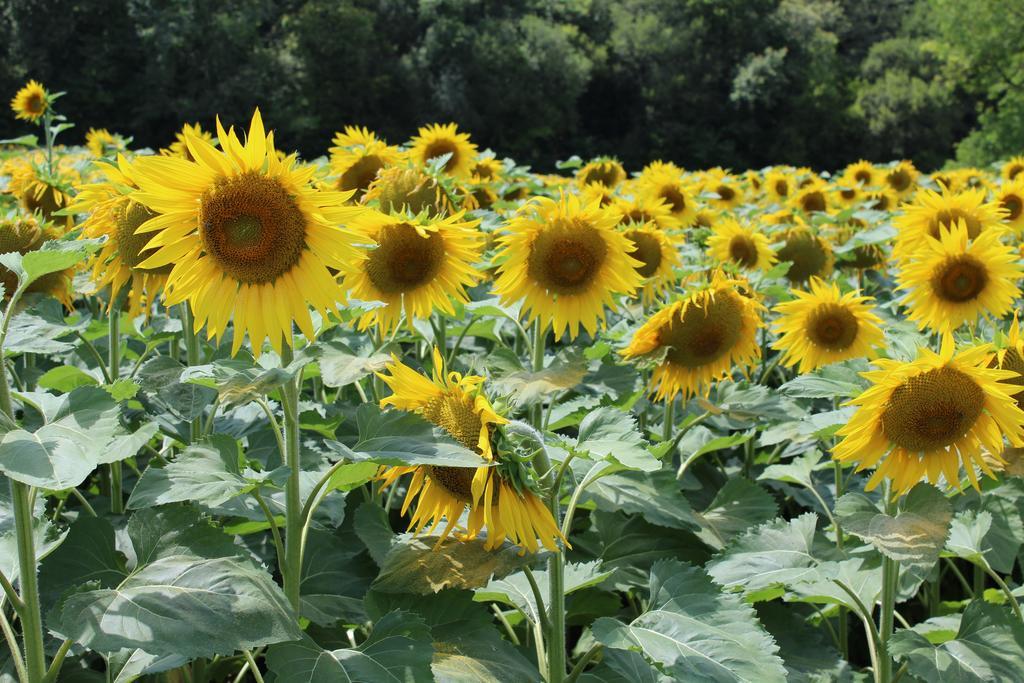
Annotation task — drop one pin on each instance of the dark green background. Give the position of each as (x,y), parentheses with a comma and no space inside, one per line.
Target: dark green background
(736,83)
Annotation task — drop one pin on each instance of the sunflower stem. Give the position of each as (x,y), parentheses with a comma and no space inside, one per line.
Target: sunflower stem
(192,357)
(890,581)
(669,419)
(843,617)
(293,494)
(113,373)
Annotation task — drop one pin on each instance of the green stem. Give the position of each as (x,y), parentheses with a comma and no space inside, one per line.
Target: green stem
(58,661)
(1010,597)
(537,364)
(274,531)
(96,356)
(192,358)
(31,618)
(113,372)
(253,668)
(890,581)
(582,663)
(293,494)
(669,419)
(11,594)
(458,340)
(47,121)
(979,582)
(12,643)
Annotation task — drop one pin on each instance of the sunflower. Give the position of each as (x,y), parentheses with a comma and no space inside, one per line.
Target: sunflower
(603,171)
(102,143)
(40,192)
(664,182)
(931,212)
(883,199)
(644,209)
(487,169)
(113,214)
(22,234)
(566,261)
(356,158)
(778,186)
(846,195)
(1010,198)
(731,242)
(810,255)
(953,280)
(500,498)
(861,174)
(822,326)
(1013,168)
(901,178)
(725,194)
(705,218)
(700,338)
(923,418)
(811,197)
(862,257)
(435,141)
(658,255)
(416,265)
(31,102)
(180,147)
(596,192)
(411,190)
(1011,357)
(249,237)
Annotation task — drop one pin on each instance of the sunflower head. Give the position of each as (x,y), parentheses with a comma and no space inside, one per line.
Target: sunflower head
(778,186)
(663,182)
(438,140)
(644,209)
(25,233)
(1013,168)
(40,192)
(741,245)
(725,192)
(921,419)
(604,171)
(102,143)
(1011,200)
(810,255)
(180,148)
(31,102)
(811,197)
(861,174)
(357,157)
(411,191)
(487,169)
(901,178)
(932,213)
(1011,357)
(658,255)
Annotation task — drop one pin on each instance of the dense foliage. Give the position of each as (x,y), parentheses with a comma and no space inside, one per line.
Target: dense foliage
(733,83)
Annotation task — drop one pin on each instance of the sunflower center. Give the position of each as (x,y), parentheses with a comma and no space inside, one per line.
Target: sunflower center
(566,257)
(725,193)
(675,198)
(959,279)
(946,218)
(703,334)
(881,203)
(862,176)
(604,174)
(35,103)
(404,259)
(813,201)
(359,176)
(131,246)
(45,202)
(898,180)
(457,416)
(252,227)
(832,326)
(1014,171)
(848,193)
(648,252)
(743,251)
(438,148)
(781,188)
(806,253)
(1014,205)
(932,410)
(457,481)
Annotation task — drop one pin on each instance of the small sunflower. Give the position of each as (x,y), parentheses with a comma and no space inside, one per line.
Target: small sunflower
(953,280)
(102,143)
(883,199)
(248,235)
(40,192)
(658,256)
(664,182)
(1011,357)
(901,178)
(435,141)
(810,255)
(411,190)
(415,265)
(645,209)
(1013,168)
(22,234)
(487,169)
(603,171)
(845,195)
(113,214)
(747,248)
(779,185)
(861,174)
(31,102)
(1010,198)
(811,198)
(822,326)
(921,419)
(356,158)
(931,212)
(499,501)
(725,193)
(180,148)
(700,338)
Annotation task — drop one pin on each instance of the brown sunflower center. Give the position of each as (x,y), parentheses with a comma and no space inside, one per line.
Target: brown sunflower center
(848,193)
(674,198)
(567,257)
(359,176)
(898,180)
(813,201)
(35,103)
(832,326)
(1014,171)
(458,481)
(603,174)
(1013,360)
(947,218)
(648,251)
(932,410)
(808,255)
(438,148)
(252,227)
(959,279)
(862,176)
(1013,205)
(743,251)
(43,198)
(636,215)
(131,246)
(725,193)
(404,259)
(703,334)
(456,416)
(781,188)
(483,171)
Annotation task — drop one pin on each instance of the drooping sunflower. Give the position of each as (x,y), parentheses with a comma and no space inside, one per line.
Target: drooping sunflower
(810,255)
(658,255)
(566,261)
(249,237)
(435,141)
(113,214)
(664,182)
(31,102)
(356,158)
(930,213)
(822,326)
(1013,168)
(39,191)
(24,233)
(901,178)
(499,501)
(742,245)
(702,337)
(604,171)
(1010,198)
(921,419)
(862,174)
(102,143)
(416,265)
(954,280)
(180,148)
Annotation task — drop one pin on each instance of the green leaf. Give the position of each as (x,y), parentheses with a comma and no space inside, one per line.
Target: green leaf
(988,647)
(53,256)
(122,389)
(694,632)
(160,382)
(209,596)
(514,590)
(831,382)
(340,365)
(238,381)
(127,666)
(526,387)
(967,535)
(336,574)
(624,666)
(654,495)
(65,378)
(609,433)
(808,653)
(38,329)
(915,536)
(399,649)
(821,586)
(775,554)
(737,506)
(798,471)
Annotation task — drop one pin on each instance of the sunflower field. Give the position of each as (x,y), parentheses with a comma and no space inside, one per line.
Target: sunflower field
(416,413)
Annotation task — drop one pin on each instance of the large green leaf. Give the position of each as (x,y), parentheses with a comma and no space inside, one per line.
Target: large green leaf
(514,590)
(336,574)
(655,495)
(807,652)
(53,256)
(399,649)
(737,506)
(41,329)
(988,647)
(340,365)
(694,632)
(161,384)
(609,433)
